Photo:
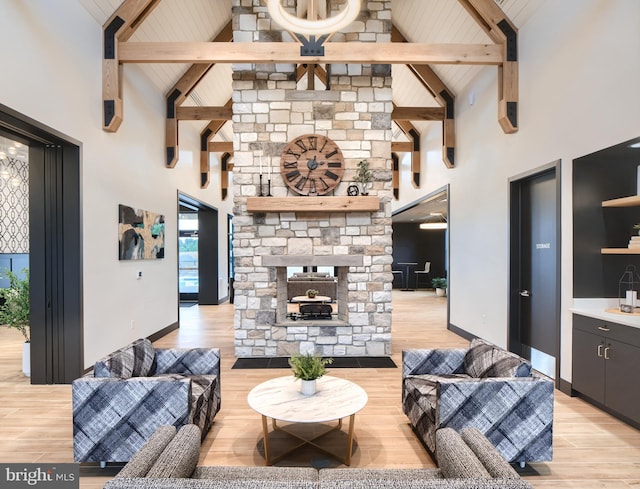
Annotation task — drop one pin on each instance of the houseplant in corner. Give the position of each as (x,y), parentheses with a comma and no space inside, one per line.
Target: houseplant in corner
(440,285)
(14,311)
(308,368)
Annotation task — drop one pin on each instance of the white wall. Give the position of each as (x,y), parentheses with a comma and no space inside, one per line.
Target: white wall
(579,80)
(53,75)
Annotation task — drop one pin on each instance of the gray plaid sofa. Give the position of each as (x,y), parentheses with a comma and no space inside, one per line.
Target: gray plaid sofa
(136,389)
(169,461)
(485,387)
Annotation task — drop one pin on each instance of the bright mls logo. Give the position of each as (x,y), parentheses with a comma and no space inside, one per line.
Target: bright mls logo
(50,476)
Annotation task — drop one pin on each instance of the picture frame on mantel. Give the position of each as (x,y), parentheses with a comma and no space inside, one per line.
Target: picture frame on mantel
(140,234)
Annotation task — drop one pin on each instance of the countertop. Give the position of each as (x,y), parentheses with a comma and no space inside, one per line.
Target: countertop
(595,308)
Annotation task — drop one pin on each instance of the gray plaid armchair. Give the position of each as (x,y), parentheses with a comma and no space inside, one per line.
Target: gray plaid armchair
(136,389)
(484,387)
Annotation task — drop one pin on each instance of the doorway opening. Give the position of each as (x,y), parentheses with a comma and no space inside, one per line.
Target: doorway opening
(534,284)
(55,248)
(198,281)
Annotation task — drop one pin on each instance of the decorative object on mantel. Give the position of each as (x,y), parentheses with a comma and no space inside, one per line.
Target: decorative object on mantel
(353,190)
(308,368)
(628,290)
(312,164)
(15,311)
(364,176)
(261,186)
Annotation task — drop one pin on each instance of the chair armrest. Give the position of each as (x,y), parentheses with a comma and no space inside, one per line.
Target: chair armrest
(438,361)
(489,401)
(188,361)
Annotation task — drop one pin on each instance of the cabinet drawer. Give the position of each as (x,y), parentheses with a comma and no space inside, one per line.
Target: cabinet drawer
(615,331)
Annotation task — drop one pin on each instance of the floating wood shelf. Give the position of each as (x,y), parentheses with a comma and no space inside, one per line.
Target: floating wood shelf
(313,204)
(620,251)
(632,201)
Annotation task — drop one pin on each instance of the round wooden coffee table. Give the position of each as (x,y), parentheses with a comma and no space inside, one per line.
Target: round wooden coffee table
(281,400)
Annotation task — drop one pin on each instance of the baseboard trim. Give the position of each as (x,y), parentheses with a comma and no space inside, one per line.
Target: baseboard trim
(564,386)
(163,332)
(461,332)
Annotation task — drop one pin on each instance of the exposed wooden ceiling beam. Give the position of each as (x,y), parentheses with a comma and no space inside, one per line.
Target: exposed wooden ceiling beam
(220,146)
(445,97)
(414,135)
(418,113)
(204,113)
(503,32)
(402,146)
(179,93)
(395,174)
(118,28)
(205,136)
(289,52)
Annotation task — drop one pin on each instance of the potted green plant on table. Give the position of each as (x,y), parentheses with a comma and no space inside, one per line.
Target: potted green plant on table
(308,368)
(440,286)
(311,293)
(364,176)
(15,310)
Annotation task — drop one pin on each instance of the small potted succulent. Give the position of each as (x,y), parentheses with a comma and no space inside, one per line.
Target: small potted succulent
(311,293)
(308,368)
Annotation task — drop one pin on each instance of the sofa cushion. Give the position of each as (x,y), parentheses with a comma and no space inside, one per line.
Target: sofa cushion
(144,459)
(260,473)
(455,458)
(488,454)
(180,457)
(134,360)
(329,476)
(484,359)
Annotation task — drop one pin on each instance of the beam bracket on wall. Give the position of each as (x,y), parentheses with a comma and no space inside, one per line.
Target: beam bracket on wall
(179,93)
(118,28)
(501,30)
(441,93)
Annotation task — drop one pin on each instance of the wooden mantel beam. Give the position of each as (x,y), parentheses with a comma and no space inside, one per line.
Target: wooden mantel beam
(289,52)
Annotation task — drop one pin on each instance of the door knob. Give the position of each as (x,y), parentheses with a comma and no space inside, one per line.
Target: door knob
(525,293)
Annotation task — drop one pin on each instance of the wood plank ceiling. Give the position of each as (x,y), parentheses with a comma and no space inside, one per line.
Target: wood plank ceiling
(415,21)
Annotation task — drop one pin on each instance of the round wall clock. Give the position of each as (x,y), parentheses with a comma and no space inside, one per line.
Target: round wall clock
(312,165)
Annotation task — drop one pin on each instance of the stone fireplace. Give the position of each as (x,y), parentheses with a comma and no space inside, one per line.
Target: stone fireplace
(271,107)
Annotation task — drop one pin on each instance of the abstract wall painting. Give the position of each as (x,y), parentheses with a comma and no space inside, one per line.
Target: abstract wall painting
(140,234)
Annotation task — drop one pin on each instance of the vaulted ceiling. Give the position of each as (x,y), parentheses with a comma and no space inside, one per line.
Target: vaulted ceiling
(419,21)
(433,22)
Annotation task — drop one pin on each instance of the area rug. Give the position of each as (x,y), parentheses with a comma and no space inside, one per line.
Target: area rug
(338,362)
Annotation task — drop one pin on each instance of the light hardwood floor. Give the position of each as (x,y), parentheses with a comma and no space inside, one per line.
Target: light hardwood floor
(591,448)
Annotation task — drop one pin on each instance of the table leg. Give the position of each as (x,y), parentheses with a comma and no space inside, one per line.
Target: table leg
(265,432)
(352,420)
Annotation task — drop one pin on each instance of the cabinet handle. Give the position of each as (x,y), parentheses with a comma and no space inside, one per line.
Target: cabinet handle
(606,353)
(603,328)
(600,350)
